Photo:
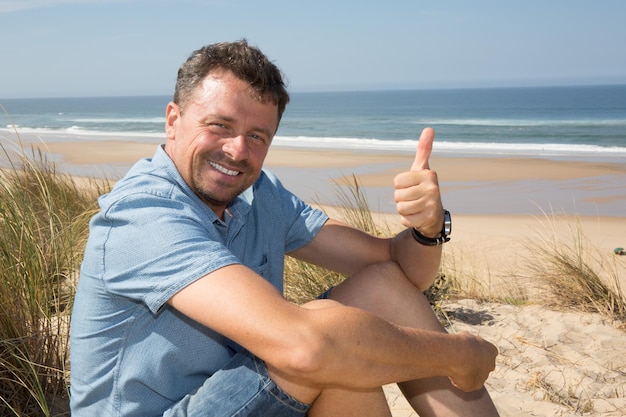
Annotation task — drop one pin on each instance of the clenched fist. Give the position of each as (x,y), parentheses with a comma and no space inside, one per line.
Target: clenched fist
(417,195)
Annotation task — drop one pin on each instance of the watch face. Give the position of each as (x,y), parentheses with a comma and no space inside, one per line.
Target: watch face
(447,223)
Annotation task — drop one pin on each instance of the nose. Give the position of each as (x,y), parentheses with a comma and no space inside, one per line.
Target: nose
(236,147)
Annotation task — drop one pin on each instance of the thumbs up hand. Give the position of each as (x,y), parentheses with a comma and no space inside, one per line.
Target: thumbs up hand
(417,195)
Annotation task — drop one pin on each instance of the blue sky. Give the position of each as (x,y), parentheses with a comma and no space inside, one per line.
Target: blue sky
(61,48)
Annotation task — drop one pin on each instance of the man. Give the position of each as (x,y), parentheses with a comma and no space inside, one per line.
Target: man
(179,308)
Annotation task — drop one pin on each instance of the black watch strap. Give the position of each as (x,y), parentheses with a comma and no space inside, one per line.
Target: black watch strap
(428,241)
(443,237)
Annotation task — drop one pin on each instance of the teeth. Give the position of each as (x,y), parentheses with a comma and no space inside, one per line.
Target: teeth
(223,170)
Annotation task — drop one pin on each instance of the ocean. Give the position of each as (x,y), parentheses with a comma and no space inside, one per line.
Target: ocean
(585,124)
(567,122)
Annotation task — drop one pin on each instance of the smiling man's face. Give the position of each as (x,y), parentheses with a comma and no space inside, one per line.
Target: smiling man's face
(219,140)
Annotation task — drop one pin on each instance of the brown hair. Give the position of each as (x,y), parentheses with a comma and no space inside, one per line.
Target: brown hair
(246,62)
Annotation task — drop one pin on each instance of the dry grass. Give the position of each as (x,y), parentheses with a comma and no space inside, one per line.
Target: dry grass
(468,276)
(472,276)
(43,223)
(563,395)
(304,281)
(577,274)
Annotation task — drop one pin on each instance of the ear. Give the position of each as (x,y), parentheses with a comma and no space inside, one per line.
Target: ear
(172,114)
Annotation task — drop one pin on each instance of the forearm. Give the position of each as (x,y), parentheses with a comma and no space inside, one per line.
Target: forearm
(364,351)
(346,250)
(420,263)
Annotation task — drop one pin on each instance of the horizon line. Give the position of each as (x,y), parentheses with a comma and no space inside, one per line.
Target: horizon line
(348,90)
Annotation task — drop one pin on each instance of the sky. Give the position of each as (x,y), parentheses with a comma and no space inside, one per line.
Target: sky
(78,48)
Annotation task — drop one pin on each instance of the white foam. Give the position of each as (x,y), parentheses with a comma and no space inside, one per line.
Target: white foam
(450,147)
(477,148)
(525,122)
(78,132)
(98,120)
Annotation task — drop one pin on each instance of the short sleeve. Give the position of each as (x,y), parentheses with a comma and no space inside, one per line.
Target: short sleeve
(300,221)
(156,245)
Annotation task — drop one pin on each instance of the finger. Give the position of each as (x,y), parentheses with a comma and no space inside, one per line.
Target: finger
(424,149)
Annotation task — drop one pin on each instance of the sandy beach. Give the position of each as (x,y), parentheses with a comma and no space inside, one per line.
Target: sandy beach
(552,362)
(494,185)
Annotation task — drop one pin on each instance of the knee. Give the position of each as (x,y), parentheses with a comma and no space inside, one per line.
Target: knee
(377,283)
(389,276)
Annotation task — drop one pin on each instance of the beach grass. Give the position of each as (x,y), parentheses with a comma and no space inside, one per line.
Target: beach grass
(577,275)
(304,281)
(564,396)
(44,218)
(470,275)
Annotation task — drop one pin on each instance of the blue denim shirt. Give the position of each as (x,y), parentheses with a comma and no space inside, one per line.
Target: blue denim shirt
(131,353)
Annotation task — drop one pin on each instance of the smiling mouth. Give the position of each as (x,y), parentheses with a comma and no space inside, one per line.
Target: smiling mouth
(223,169)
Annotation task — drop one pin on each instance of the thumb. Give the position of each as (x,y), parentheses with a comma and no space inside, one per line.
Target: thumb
(424,149)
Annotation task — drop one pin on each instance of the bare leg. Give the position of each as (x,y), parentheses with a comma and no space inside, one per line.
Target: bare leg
(343,403)
(383,289)
(334,402)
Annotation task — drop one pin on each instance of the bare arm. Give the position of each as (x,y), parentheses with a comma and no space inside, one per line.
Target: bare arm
(344,249)
(328,345)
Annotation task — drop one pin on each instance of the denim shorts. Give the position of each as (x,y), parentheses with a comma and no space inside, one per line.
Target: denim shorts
(241,389)
(325,295)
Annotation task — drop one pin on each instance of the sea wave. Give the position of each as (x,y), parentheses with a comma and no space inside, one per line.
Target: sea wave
(116,121)
(549,149)
(525,122)
(78,133)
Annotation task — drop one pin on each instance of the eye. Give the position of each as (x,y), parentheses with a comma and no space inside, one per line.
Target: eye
(218,128)
(258,138)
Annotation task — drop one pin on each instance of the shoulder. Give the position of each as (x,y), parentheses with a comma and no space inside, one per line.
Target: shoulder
(267,179)
(153,183)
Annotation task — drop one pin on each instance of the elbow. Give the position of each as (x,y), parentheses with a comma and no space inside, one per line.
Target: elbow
(308,361)
(311,349)
(306,358)
(428,282)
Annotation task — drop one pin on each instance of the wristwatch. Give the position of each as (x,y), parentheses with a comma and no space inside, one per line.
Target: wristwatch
(443,237)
